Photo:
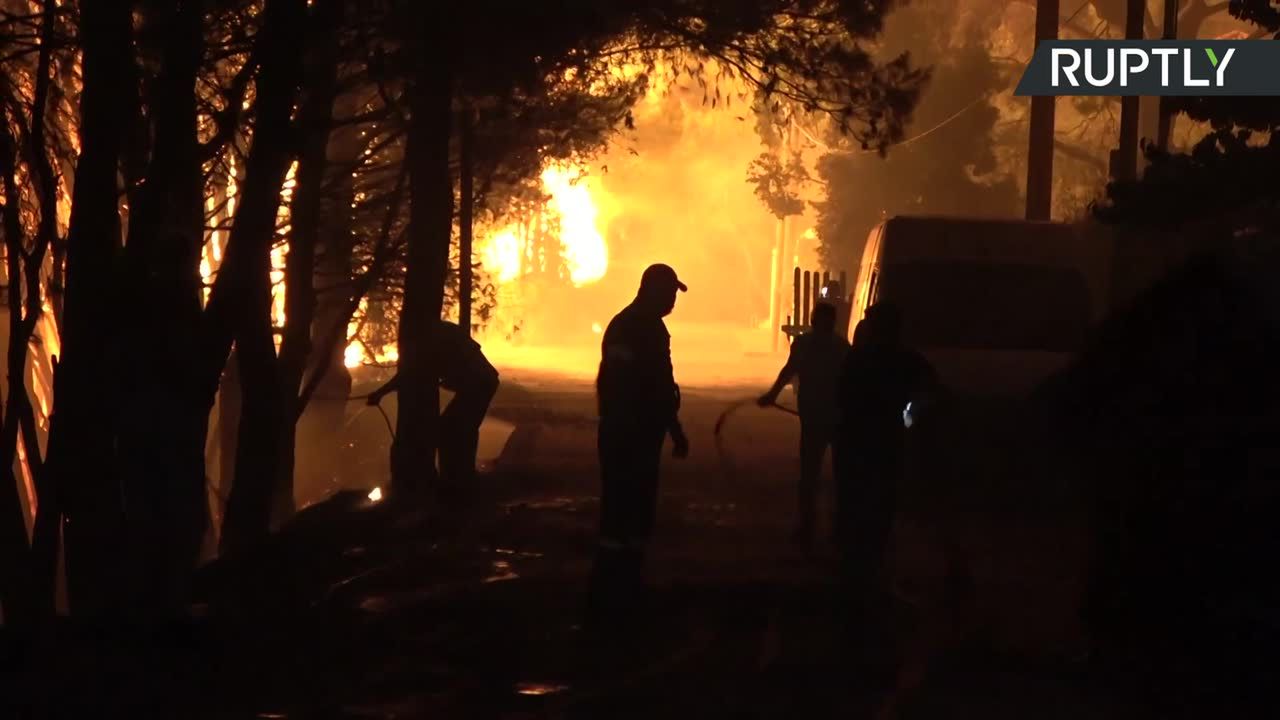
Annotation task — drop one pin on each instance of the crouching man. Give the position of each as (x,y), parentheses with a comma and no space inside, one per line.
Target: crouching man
(468,374)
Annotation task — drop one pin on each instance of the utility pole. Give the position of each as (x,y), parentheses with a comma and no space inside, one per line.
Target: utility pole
(782,254)
(1124,164)
(1040,134)
(1166,111)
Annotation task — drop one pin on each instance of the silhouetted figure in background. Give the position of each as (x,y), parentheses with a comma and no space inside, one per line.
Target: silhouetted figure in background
(879,379)
(468,374)
(639,403)
(817,358)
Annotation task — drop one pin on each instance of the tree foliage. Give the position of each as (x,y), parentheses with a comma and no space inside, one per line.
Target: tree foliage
(1223,183)
(948,164)
(776,183)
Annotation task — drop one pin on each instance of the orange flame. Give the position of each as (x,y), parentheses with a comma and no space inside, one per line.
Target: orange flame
(586,255)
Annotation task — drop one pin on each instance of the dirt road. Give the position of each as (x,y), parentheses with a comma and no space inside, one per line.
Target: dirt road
(474,609)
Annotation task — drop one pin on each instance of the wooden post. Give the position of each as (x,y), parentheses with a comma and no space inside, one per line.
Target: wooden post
(1126,165)
(1166,113)
(1040,134)
(804,318)
(817,289)
(795,297)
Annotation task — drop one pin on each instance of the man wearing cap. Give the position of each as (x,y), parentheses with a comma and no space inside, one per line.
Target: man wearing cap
(639,403)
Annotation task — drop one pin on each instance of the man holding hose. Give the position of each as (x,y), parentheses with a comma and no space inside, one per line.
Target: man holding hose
(816,360)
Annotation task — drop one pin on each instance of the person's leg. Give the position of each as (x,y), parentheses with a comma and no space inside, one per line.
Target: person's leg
(868,524)
(846,464)
(648,463)
(610,573)
(839,458)
(647,466)
(460,434)
(450,439)
(477,407)
(813,447)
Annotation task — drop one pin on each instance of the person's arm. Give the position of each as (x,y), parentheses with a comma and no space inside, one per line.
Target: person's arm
(784,376)
(679,441)
(391,386)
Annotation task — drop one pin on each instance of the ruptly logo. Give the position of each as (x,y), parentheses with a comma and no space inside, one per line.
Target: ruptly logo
(1153,67)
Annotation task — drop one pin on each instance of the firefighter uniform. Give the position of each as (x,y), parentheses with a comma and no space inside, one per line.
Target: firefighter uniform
(639,403)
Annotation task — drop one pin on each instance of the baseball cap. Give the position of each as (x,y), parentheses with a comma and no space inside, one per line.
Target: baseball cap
(660,275)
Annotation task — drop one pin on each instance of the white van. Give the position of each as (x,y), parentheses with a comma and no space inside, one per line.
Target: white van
(996,305)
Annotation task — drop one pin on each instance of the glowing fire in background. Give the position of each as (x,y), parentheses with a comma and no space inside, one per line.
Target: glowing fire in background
(674,193)
(585,251)
(358,352)
(507,254)
(503,255)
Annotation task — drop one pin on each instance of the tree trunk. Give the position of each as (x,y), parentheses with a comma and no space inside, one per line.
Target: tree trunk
(240,302)
(24,264)
(16,392)
(323,409)
(160,433)
(413,468)
(44,540)
(466,215)
(338,316)
(17,593)
(300,297)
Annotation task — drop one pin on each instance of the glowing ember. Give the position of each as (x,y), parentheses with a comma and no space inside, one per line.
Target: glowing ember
(595,328)
(375,495)
(359,351)
(539,689)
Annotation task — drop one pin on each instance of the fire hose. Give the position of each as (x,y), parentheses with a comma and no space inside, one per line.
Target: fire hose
(385,418)
(726,460)
(721,422)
